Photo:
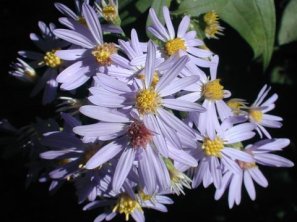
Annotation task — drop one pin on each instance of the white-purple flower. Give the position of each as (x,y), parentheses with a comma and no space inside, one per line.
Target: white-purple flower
(183,42)
(250,172)
(257,112)
(92,54)
(216,153)
(49,44)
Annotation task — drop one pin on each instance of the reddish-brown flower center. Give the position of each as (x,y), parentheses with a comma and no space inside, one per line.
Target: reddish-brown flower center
(139,135)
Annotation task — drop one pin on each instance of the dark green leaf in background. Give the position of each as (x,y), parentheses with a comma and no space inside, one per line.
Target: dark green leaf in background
(288,28)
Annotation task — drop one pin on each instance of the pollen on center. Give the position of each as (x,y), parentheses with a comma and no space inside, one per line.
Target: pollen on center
(51,60)
(147,101)
(103,52)
(213,147)
(172,46)
(256,115)
(213,90)
(126,205)
(139,135)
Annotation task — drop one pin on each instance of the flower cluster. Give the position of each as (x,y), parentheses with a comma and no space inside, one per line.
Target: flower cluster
(156,120)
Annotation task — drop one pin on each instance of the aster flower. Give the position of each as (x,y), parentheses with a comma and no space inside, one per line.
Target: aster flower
(94,54)
(76,20)
(257,112)
(250,172)
(216,152)
(129,203)
(148,99)
(182,41)
(212,25)
(130,66)
(131,141)
(109,11)
(48,44)
(238,106)
(23,71)
(212,94)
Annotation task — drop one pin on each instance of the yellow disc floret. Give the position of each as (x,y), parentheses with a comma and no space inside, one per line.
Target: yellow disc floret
(213,147)
(213,90)
(51,60)
(172,46)
(110,12)
(256,115)
(103,52)
(154,81)
(126,205)
(210,17)
(236,105)
(147,101)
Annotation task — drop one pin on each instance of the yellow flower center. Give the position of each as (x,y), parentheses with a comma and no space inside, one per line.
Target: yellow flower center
(172,46)
(51,60)
(144,196)
(212,26)
(103,52)
(147,101)
(126,205)
(154,81)
(109,12)
(213,147)
(210,17)
(213,90)
(236,105)
(256,115)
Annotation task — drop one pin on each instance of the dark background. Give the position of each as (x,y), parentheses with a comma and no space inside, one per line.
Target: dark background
(240,73)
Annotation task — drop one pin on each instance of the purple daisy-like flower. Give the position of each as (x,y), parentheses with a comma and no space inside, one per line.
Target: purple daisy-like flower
(212,93)
(132,142)
(182,41)
(129,202)
(261,152)
(257,112)
(93,56)
(49,44)
(148,99)
(216,153)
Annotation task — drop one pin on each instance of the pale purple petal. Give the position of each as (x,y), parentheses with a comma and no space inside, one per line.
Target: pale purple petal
(157,24)
(258,176)
(74,37)
(150,64)
(273,160)
(93,22)
(105,154)
(168,77)
(182,105)
(123,168)
(113,85)
(249,185)
(66,11)
(168,22)
(216,172)
(71,54)
(177,85)
(183,26)
(235,154)
(182,157)
(103,114)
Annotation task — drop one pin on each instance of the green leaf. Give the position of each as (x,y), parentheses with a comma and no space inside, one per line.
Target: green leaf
(197,7)
(279,76)
(288,30)
(255,22)
(143,5)
(158,6)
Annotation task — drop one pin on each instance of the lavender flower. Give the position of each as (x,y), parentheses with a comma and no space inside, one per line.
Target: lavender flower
(257,112)
(49,44)
(185,42)
(92,56)
(261,152)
